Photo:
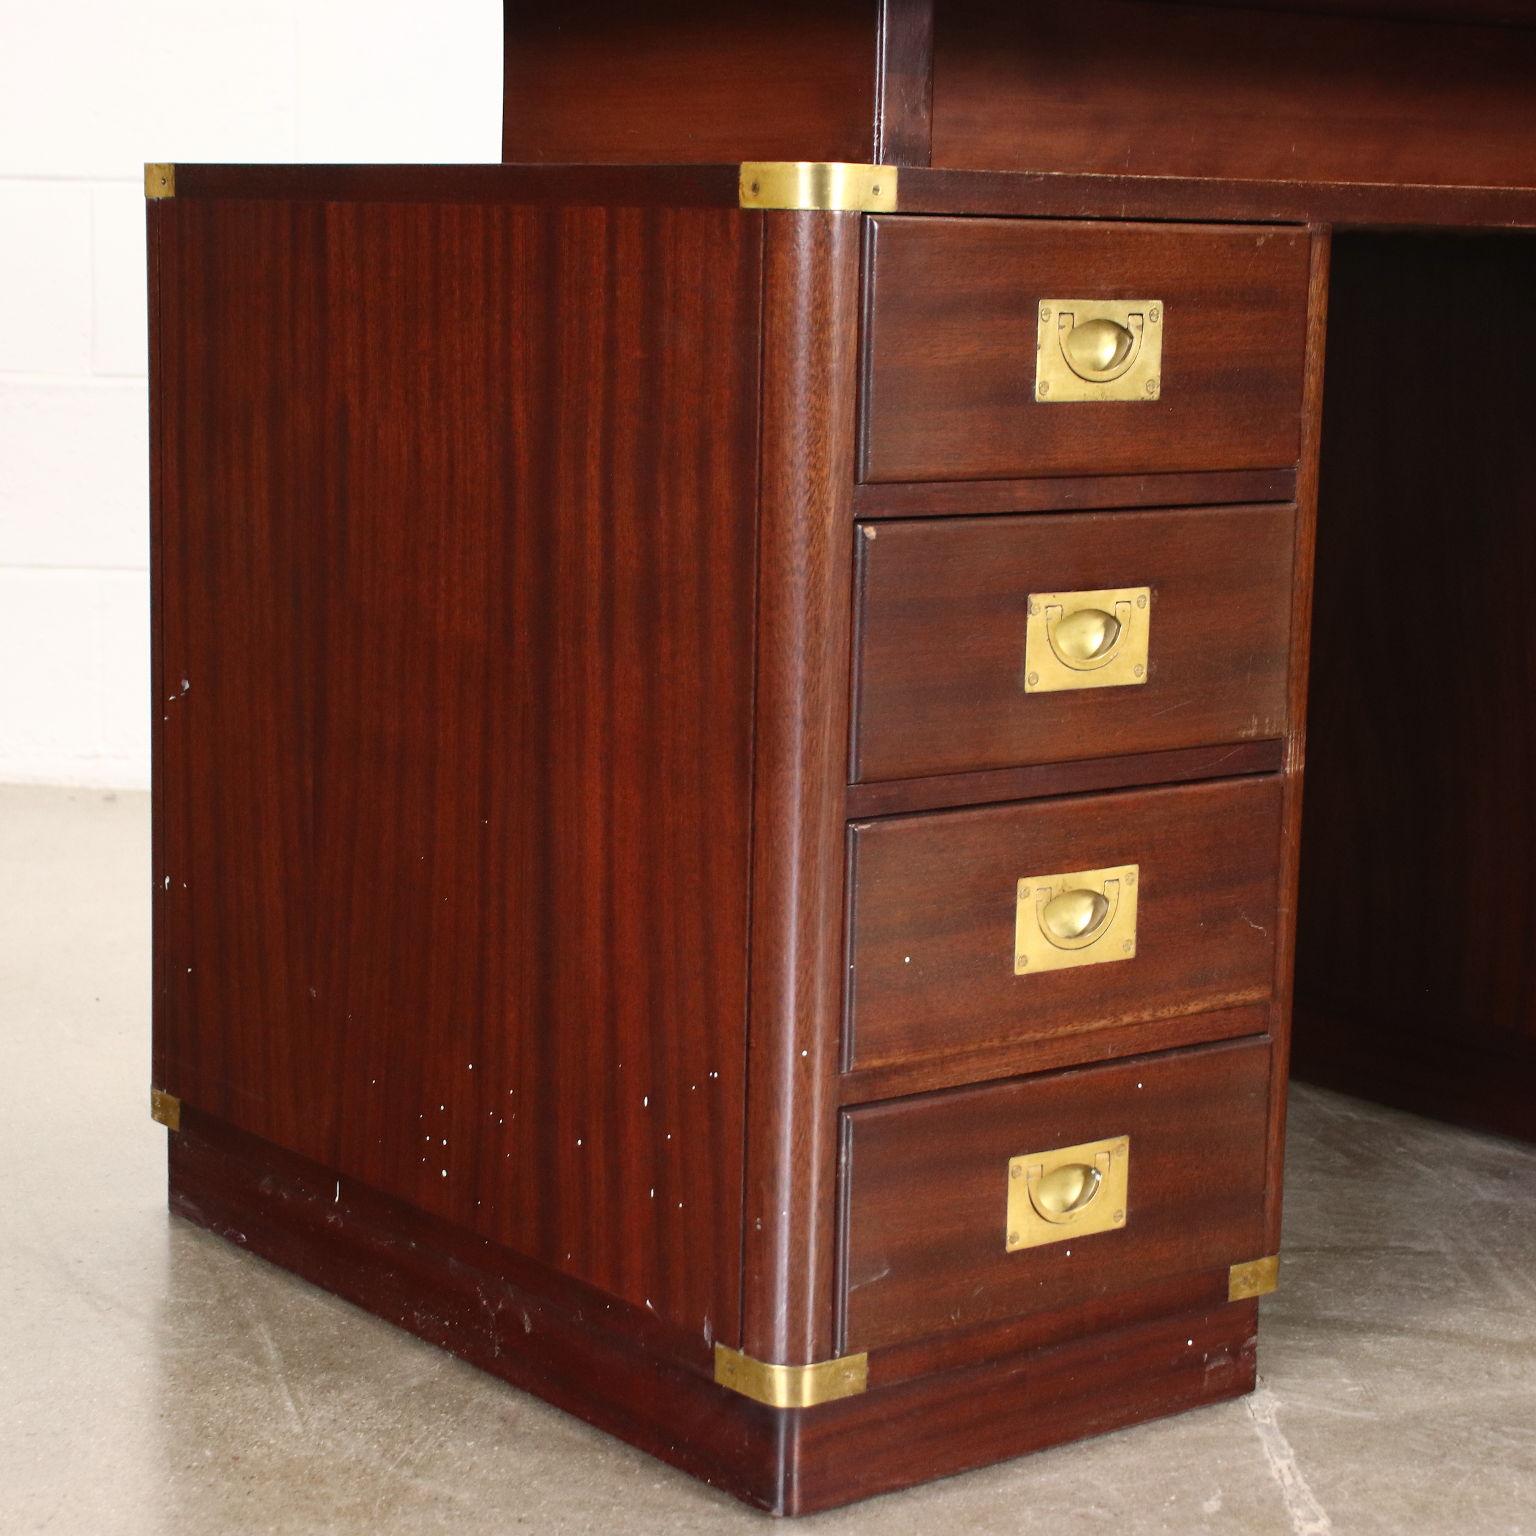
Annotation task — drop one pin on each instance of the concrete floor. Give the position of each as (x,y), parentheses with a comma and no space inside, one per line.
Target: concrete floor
(156,1380)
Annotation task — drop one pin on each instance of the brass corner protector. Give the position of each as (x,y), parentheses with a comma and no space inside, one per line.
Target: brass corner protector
(830,185)
(1258,1277)
(166,1108)
(791,1386)
(159,181)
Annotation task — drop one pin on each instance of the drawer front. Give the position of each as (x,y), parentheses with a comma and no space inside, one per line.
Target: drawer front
(944,673)
(936,916)
(954,330)
(931,1200)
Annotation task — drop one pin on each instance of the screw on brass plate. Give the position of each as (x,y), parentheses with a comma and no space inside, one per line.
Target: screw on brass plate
(1013,1239)
(1119,1215)
(1141,602)
(1139,671)
(1127,946)
(1154,314)
(1015,1171)
(1044,387)
(1045,311)
(1023,960)
(1151,386)
(1034,677)
(1130,879)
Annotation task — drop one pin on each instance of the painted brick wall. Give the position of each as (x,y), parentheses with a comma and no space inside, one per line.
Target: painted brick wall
(90,90)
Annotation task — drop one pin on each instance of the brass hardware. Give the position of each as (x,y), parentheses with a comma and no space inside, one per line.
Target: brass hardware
(166,1108)
(1099,349)
(159,181)
(826,184)
(1258,1277)
(1067,1193)
(791,1386)
(1098,639)
(1084,918)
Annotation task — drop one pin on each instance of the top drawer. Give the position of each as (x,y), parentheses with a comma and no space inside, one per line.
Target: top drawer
(955,320)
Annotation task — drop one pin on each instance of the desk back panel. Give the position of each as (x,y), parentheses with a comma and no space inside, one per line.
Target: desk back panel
(1125,87)
(1416,963)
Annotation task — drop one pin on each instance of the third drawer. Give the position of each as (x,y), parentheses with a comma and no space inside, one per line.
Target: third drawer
(944,653)
(959,946)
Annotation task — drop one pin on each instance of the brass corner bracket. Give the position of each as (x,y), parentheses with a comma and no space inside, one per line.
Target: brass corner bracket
(830,185)
(159,181)
(166,1108)
(791,1386)
(1258,1277)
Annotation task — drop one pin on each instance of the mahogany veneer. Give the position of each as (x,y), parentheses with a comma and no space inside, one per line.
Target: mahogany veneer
(592,776)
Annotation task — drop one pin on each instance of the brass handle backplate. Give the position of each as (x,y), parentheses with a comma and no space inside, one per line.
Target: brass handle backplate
(1086,917)
(1068,1192)
(1099,349)
(1096,639)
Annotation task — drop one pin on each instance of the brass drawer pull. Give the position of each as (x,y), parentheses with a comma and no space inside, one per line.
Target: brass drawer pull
(1063,1194)
(1068,1192)
(1099,349)
(1076,919)
(1097,639)
(1084,918)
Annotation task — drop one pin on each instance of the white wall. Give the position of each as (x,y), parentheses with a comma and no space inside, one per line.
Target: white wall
(90,90)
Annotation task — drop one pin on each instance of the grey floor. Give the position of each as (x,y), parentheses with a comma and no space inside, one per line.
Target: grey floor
(153,1379)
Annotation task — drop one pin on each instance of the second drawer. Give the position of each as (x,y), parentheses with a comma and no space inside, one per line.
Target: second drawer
(1168,907)
(945,658)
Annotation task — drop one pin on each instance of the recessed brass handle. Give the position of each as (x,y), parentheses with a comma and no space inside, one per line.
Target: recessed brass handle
(1075,919)
(1100,350)
(1068,1193)
(1087,638)
(1083,917)
(1063,1194)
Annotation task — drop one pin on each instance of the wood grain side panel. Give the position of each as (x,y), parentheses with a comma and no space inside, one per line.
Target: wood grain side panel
(944,609)
(457,541)
(927,1189)
(931,943)
(951,348)
(810,329)
(689,80)
(1227,92)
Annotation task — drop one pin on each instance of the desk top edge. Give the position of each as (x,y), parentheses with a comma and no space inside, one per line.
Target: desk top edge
(956,193)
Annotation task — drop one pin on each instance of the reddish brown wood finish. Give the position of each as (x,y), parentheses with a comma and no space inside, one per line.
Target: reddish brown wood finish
(689,80)
(940,1425)
(961,193)
(1194,90)
(1420,770)
(810,327)
(455,727)
(927,1185)
(1296,732)
(991,1060)
(619,1368)
(1077,493)
(932,917)
(1187,765)
(951,348)
(904,83)
(943,606)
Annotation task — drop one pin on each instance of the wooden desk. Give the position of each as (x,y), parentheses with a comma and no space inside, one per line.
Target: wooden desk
(728,855)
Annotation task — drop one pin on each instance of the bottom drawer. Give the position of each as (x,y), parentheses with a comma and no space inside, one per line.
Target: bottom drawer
(981,1204)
